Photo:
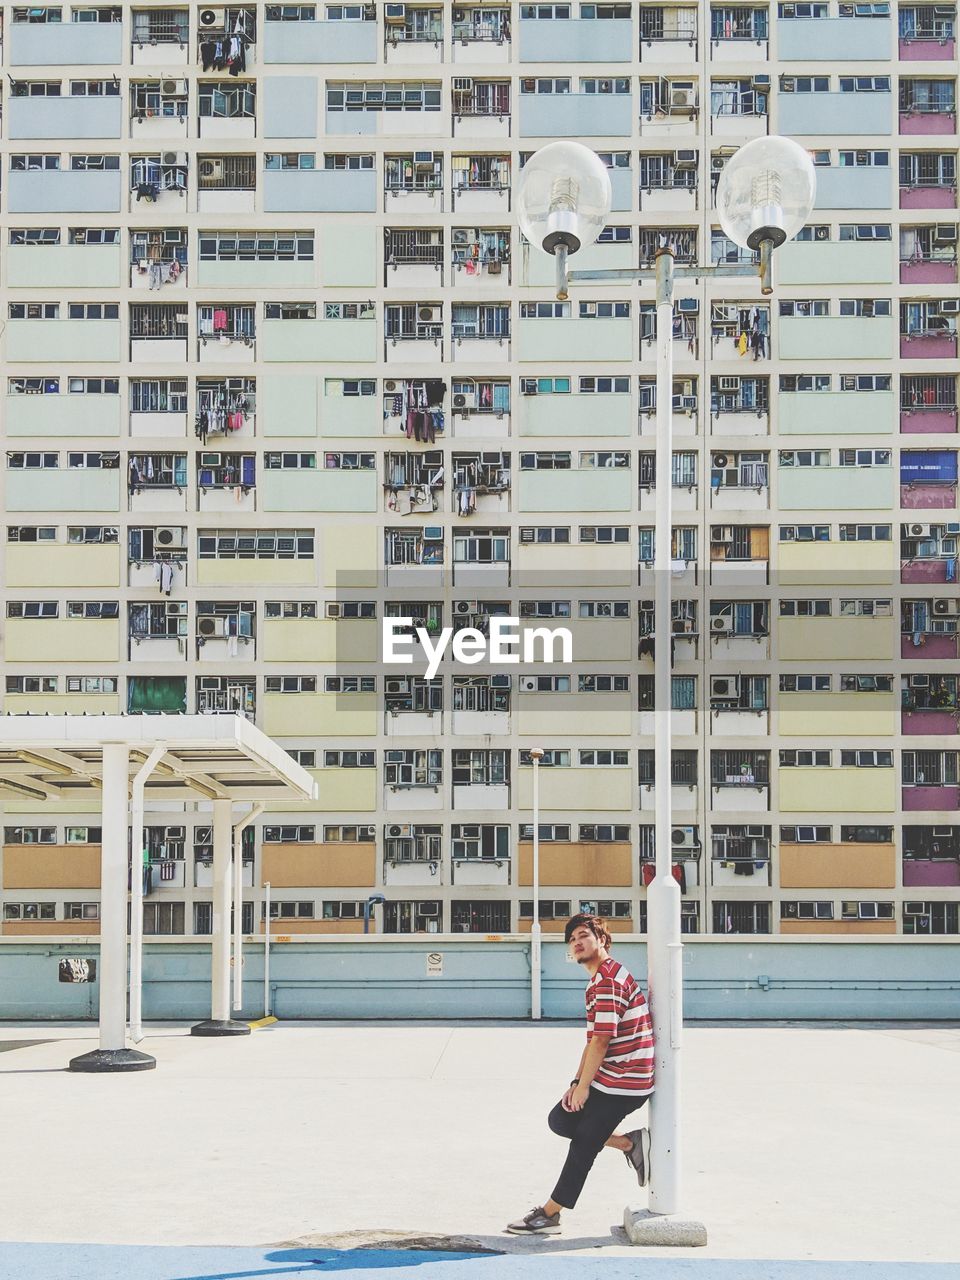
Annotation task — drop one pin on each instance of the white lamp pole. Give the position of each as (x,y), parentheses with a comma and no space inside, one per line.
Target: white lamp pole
(536,755)
(765,195)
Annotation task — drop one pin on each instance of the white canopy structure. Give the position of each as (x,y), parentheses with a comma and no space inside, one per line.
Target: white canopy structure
(223,759)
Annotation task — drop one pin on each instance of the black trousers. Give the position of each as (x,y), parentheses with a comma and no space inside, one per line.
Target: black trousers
(587,1130)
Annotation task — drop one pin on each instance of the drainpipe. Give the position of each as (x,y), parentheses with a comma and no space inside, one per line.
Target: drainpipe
(255,812)
(136,889)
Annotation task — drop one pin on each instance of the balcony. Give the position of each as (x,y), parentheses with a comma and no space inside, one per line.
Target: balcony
(157,631)
(931,798)
(481,108)
(930,706)
(835,337)
(928,553)
(928,405)
(343,341)
(160,38)
(48,44)
(927,334)
(228,184)
(413,183)
(413,333)
(575,40)
(928,108)
(481,35)
(826,413)
(417,39)
(576,115)
(157,481)
(842,40)
(413,259)
(931,857)
(63,341)
(835,114)
(847,865)
(853,187)
(569,340)
(928,479)
(63,191)
(857,488)
(739,35)
(64,117)
(319,42)
(226,482)
(928,255)
(739,108)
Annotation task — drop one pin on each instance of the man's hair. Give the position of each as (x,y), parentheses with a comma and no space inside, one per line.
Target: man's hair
(596,924)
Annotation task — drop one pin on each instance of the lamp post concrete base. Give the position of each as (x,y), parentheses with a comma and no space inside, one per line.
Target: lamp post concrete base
(646,1228)
(220,1027)
(99,1060)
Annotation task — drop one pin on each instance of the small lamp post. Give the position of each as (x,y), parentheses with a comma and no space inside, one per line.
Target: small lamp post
(765,195)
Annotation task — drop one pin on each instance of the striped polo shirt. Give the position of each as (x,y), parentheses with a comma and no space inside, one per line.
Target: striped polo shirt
(616,1007)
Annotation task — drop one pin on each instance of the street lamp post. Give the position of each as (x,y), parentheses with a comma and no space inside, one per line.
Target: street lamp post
(765,195)
(536,755)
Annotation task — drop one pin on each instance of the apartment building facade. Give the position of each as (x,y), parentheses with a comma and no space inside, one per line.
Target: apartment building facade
(278,365)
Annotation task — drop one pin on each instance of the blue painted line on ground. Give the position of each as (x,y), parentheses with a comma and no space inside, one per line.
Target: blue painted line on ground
(151,1262)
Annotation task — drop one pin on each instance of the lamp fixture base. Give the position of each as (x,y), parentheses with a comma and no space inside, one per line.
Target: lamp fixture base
(220,1027)
(646,1228)
(101,1060)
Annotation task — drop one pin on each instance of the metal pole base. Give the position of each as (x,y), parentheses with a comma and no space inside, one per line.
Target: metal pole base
(646,1228)
(113,1060)
(220,1027)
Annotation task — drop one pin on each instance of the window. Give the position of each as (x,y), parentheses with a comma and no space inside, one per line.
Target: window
(302,834)
(93,609)
(618,84)
(806,835)
(344,833)
(866,684)
(552,758)
(866,608)
(806,308)
(865,382)
(255,544)
(550,832)
(806,910)
(864,84)
(604,533)
(604,609)
(86,534)
(93,461)
(290,684)
(349,759)
(544,684)
(864,159)
(865,231)
(545,461)
(301,910)
(94,88)
(544,311)
(290,160)
(33,386)
(604,386)
(422,768)
(804,84)
(865,532)
(806,759)
(33,609)
(604,310)
(867,759)
(306,757)
(218,101)
(290,461)
(29,835)
(349,311)
(544,608)
(158,395)
(34,311)
(866,307)
(91,684)
(32,684)
(543,386)
(290,609)
(83,163)
(605,759)
(81,911)
(350,387)
(290,311)
(29,911)
(804,533)
(29,163)
(350,684)
(35,235)
(479,841)
(865,457)
(805,683)
(93,386)
(31,533)
(544,534)
(603,684)
(259,246)
(378,95)
(93,311)
(592,459)
(545,84)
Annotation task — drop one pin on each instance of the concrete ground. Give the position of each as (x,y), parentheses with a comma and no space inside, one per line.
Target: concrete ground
(804,1143)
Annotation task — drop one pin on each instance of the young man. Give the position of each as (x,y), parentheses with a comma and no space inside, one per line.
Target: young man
(615,1076)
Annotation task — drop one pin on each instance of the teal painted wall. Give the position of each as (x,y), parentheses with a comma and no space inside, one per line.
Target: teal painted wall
(374,978)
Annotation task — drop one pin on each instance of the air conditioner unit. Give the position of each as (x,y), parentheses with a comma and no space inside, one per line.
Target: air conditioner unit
(428,910)
(399,829)
(720,459)
(913,909)
(941,833)
(685,159)
(465,400)
(463,607)
(688,306)
(213,19)
(717,163)
(528,684)
(919,682)
(683,99)
(729,384)
(396,686)
(433,533)
(822,233)
(528,387)
(724,687)
(211,626)
(423,160)
(944,233)
(684,837)
(177,158)
(942,607)
(920,530)
(950,307)
(169,537)
(761,82)
(500,681)
(429,315)
(462,84)
(528,535)
(173,89)
(588,308)
(721,533)
(688,908)
(460,235)
(394,12)
(333,609)
(719,625)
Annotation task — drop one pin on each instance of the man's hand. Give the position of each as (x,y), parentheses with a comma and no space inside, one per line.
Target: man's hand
(576,1097)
